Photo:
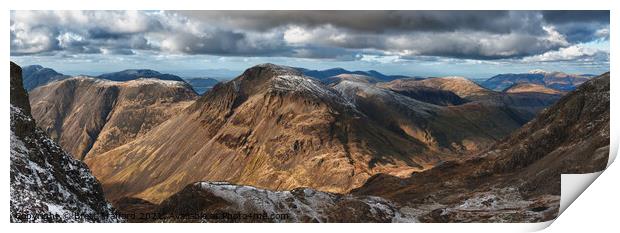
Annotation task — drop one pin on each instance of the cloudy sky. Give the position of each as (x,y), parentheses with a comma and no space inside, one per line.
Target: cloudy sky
(476,44)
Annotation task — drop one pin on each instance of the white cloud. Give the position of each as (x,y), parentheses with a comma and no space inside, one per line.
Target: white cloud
(575,52)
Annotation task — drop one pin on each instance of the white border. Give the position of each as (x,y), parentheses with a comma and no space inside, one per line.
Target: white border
(605,189)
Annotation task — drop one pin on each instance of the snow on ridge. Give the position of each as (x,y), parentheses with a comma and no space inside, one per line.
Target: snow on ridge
(307,85)
(279,69)
(132,83)
(351,88)
(301,203)
(146,81)
(288,82)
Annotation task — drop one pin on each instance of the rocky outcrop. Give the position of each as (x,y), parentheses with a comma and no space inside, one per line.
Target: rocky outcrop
(47,184)
(89,116)
(518,179)
(19,96)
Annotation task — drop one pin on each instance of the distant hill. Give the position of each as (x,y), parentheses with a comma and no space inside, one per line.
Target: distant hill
(132,74)
(325,74)
(202,85)
(530,87)
(36,75)
(555,80)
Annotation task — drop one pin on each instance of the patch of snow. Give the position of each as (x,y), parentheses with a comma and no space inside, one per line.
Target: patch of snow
(351,90)
(299,204)
(42,192)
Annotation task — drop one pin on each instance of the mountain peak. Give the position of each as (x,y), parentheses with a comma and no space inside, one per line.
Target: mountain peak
(337,69)
(34,67)
(280,69)
(283,78)
(139,71)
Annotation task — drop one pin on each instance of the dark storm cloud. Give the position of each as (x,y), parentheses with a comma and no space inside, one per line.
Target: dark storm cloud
(565,16)
(373,21)
(339,35)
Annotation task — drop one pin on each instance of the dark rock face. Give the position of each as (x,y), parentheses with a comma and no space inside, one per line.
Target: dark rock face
(132,74)
(518,179)
(36,75)
(433,96)
(47,184)
(19,96)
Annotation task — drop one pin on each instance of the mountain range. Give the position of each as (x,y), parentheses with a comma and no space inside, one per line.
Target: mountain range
(131,74)
(554,80)
(36,75)
(329,146)
(274,128)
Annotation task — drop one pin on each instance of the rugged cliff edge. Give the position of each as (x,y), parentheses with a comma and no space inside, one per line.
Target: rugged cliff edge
(47,184)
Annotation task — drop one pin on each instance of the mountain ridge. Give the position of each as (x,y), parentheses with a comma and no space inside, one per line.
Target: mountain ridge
(88,115)
(555,80)
(518,179)
(130,74)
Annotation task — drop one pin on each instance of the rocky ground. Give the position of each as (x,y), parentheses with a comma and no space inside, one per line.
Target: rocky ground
(47,184)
